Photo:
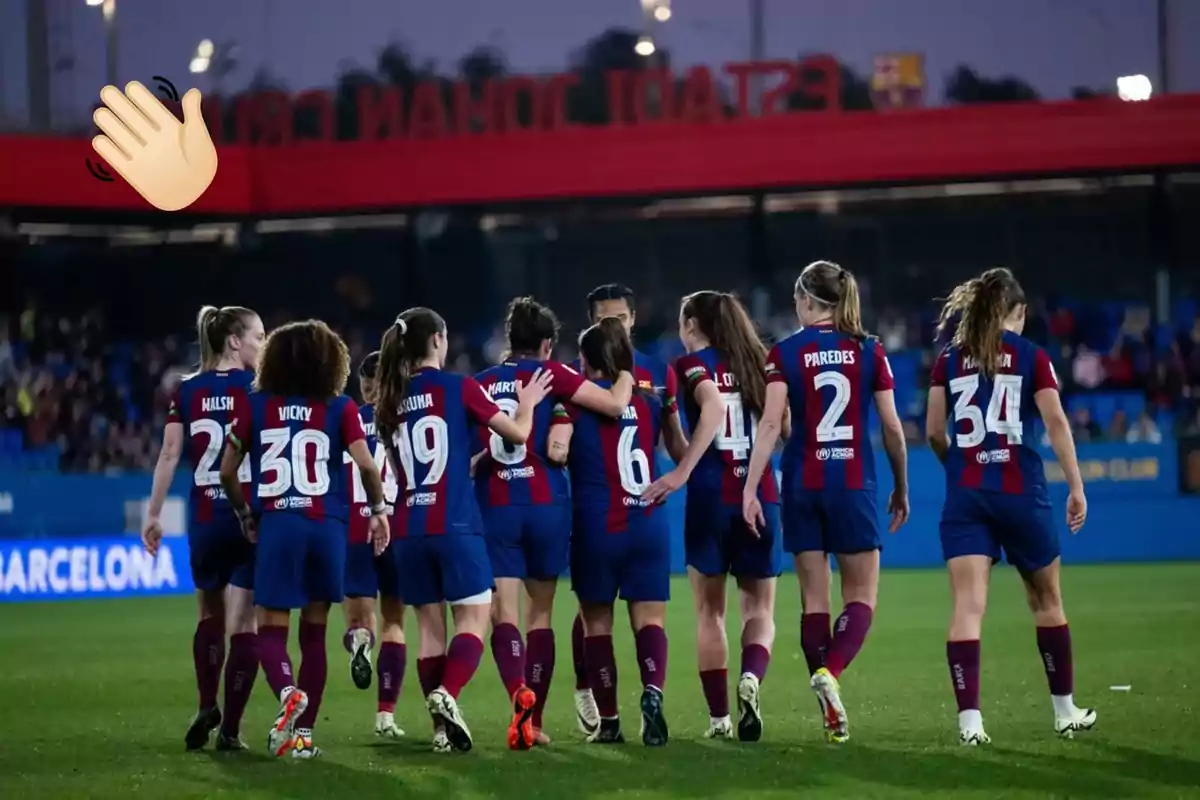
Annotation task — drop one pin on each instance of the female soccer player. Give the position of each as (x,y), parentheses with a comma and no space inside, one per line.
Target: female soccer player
(526,509)
(620,543)
(230,339)
(724,391)
(829,373)
(425,417)
(996,497)
(292,429)
(368,575)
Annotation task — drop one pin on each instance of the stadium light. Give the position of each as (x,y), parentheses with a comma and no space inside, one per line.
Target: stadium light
(205,48)
(1134,88)
(95,2)
(662,13)
(644,46)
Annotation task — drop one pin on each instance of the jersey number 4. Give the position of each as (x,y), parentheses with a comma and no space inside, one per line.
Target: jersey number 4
(1003,410)
(389,480)
(732,436)
(215,432)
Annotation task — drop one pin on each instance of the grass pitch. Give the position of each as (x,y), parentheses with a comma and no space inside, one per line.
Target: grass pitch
(96,697)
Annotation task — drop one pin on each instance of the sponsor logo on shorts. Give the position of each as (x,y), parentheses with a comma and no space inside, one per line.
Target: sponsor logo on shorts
(993,456)
(515,474)
(286,503)
(835,454)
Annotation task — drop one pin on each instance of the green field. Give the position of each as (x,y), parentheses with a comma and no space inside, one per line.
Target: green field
(97,695)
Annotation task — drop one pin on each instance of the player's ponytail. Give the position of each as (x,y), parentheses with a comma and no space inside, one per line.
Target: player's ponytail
(606,348)
(528,325)
(214,326)
(829,285)
(404,346)
(724,321)
(984,309)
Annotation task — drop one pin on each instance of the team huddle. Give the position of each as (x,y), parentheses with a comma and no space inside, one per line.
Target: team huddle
(474,494)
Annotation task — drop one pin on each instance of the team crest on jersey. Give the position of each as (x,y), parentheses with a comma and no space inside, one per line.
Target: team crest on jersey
(993,456)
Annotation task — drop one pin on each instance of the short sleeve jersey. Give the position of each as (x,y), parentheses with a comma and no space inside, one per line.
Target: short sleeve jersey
(294,446)
(831,378)
(203,403)
(522,475)
(722,468)
(992,438)
(433,447)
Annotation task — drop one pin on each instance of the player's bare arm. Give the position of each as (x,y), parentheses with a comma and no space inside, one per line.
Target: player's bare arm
(1058,429)
(231,459)
(935,423)
(712,414)
(164,472)
(769,429)
(786,426)
(516,429)
(897,453)
(558,443)
(609,402)
(372,482)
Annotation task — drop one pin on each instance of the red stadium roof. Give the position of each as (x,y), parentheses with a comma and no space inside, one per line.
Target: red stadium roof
(777,152)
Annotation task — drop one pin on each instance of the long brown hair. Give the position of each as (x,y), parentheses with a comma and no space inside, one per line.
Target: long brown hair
(606,348)
(723,320)
(214,326)
(832,286)
(404,345)
(983,304)
(304,359)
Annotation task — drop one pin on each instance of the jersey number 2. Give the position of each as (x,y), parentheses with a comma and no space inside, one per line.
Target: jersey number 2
(1003,411)
(215,432)
(828,429)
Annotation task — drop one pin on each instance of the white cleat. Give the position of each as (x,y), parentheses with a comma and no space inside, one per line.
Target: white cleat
(719,728)
(441,743)
(973,737)
(386,727)
(750,723)
(444,707)
(587,713)
(1082,720)
(303,748)
(282,735)
(360,658)
(829,695)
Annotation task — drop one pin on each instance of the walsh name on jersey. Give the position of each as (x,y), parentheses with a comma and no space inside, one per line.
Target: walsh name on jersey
(220,403)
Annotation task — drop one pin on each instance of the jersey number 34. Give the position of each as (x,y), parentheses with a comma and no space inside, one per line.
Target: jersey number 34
(1003,410)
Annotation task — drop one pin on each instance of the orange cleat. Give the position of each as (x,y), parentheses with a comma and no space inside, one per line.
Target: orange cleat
(521,735)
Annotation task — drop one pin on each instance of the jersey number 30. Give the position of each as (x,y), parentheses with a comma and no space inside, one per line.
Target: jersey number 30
(1003,411)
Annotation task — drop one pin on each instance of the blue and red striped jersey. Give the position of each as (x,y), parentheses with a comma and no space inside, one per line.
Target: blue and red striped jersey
(360,505)
(433,448)
(992,431)
(294,446)
(203,403)
(652,374)
(723,466)
(612,461)
(522,475)
(832,379)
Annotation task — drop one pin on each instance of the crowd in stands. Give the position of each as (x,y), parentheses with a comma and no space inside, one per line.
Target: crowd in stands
(76,399)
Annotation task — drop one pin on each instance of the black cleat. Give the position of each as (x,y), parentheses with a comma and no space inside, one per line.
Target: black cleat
(608,732)
(654,724)
(750,724)
(360,666)
(230,744)
(205,722)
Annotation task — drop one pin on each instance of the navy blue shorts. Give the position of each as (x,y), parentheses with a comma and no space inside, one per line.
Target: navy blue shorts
(982,523)
(220,555)
(528,541)
(300,561)
(718,542)
(446,568)
(634,564)
(830,521)
(368,575)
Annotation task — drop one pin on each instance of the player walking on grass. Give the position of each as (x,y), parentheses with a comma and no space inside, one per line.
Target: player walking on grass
(996,496)
(650,374)
(292,429)
(222,560)
(620,544)
(830,373)
(526,507)
(425,417)
(368,575)
(724,390)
